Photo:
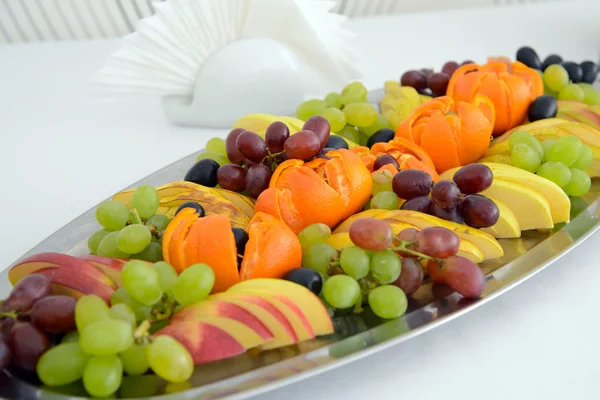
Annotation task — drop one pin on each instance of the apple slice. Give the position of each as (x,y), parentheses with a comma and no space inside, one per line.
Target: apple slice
(287,291)
(110,267)
(71,283)
(213,338)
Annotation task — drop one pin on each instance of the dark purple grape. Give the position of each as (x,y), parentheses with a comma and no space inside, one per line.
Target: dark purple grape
(241,238)
(384,160)
(449,214)
(464,276)
(415,79)
(302,145)
(529,57)
(479,211)
(233,154)
(192,204)
(257,179)
(544,106)
(445,194)
(204,173)
(438,83)
(575,71)
(421,204)
(232,177)
(276,135)
(26,344)
(411,277)
(473,178)
(590,71)
(309,278)
(252,146)
(412,183)
(4,356)
(54,314)
(450,67)
(320,126)
(26,292)
(381,136)
(336,142)
(437,242)
(551,60)
(323,153)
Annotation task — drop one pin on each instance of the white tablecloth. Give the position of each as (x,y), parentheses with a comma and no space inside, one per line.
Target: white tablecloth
(61,154)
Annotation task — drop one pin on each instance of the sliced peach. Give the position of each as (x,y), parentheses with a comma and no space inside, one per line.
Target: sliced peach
(78,282)
(110,267)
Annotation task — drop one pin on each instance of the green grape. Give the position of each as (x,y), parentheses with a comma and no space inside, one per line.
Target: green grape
(566,150)
(142,282)
(386,200)
(556,77)
(525,138)
(134,360)
(106,337)
(89,310)
(382,181)
(333,99)
(109,246)
(380,123)
(350,133)
(102,376)
(550,92)
(590,95)
(585,158)
(363,138)
(220,159)
(124,313)
(318,256)
(95,239)
(159,221)
(112,214)
(62,364)
(525,157)
(355,262)
(71,337)
(166,275)
(557,172)
(145,200)
(336,118)
(169,359)
(571,92)
(216,145)
(177,387)
(341,291)
(360,114)
(314,234)
(310,108)
(194,284)
(122,296)
(388,301)
(354,92)
(546,146)
(385,266)
(579,184)
(133,238)
(152,253)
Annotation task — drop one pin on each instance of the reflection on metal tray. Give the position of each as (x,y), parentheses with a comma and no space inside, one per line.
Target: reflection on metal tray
(355,336)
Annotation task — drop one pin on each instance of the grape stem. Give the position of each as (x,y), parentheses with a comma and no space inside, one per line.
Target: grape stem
(404,249)
(135,217)
(142,330)
(334,268)
(358,306)
(9,314)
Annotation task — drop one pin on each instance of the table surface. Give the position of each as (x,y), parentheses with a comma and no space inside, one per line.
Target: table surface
(62,153)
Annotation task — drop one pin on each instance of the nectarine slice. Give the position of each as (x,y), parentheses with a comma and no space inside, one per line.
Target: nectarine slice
(79,282)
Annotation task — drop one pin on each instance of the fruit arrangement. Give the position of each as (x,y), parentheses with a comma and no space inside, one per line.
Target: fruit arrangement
(288,223)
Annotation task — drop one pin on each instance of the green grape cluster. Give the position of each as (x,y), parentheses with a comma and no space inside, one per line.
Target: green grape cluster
(215,150)
(557,84)
(130,233)
(113,341)
(349,113)
(561,161)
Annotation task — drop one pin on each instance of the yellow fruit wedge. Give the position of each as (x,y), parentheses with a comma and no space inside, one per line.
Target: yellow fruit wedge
(507,227)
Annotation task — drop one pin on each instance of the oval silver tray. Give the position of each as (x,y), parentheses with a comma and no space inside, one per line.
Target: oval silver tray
(355,336)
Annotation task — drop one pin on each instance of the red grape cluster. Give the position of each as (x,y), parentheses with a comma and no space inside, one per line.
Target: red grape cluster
(30,316)
(254,158)
(431,83)
(455,200)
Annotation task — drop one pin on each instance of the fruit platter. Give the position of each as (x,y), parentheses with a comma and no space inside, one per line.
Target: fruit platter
(298,243)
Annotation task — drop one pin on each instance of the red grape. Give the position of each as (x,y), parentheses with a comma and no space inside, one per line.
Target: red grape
(232,177)
(464,276)
(302,145)
(479,211)
(425,92)
(6,325)
(440,290)
(437,242)
(449,214)
(257,179)
(411,277)
(412,183)
(450,67)
(438,83)
(408,234)
(26,344)
(371,234)
(415,79)
(26,292)
(421,204)
(384,160)
(320,126)
(427,72)
(54,314)
(276,135)
(445,194)
(4,355)
(467,62)
(233,154)
(473,178)
(435,271)
(252,146)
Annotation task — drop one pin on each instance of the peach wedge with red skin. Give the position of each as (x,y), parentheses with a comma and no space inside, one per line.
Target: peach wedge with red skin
(110,267)
(69,283)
